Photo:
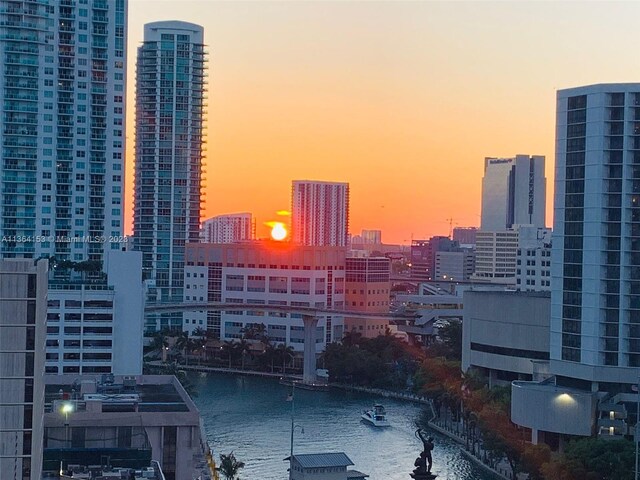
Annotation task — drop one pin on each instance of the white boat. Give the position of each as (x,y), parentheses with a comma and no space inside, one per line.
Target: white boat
(377,416)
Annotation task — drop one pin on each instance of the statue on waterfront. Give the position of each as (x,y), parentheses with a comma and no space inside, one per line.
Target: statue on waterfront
(424,462)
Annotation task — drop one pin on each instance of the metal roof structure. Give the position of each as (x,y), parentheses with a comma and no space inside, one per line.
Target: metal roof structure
(322,460)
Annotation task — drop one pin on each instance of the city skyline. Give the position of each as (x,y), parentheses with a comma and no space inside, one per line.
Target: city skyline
(386,101)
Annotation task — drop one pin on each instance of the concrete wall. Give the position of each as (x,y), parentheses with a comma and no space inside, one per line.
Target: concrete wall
(553,409)
(514,321)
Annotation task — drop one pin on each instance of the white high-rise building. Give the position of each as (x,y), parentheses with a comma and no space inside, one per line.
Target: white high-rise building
(595,268)
(23,303)
(170,86)
(320,213)
(513,192)
(230,228)
(595,302)
(62,128)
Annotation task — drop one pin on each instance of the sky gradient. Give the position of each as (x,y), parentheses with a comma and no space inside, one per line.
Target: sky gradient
(403,100)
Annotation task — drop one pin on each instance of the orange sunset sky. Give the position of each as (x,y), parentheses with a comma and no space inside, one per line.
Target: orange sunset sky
(403,100)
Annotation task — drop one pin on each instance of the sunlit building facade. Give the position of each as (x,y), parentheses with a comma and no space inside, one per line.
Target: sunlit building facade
(170,86)
(251,274)
(513,192)
(320,213)
(233,227)
(62,129)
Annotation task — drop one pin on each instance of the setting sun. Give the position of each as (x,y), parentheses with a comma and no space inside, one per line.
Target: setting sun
(278,231)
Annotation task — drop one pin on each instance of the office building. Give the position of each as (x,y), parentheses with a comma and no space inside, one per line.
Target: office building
(265,273)
(23,297)
(595,299)
(465,236)
(533,259)
(423,256)
(230,228)
(63,99)
(456,266)
(513,192)
(132,421)
(367,289)
(496,257)
(170,86)
(96,325)
(320,213)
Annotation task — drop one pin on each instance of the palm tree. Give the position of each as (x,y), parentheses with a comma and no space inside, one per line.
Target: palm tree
(270,354)
(229,347)
(159,342)
(242,347)
(229,466)
(182,343)
(284,352)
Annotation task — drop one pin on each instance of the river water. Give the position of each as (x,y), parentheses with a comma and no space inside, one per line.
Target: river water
(251,417)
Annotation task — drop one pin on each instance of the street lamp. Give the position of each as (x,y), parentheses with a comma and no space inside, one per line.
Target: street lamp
(67,408)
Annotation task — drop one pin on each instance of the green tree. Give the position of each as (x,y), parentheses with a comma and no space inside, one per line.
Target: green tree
(229,348)
(230,466)
(451,336)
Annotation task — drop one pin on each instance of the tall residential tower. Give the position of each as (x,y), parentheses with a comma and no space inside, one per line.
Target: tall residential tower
(320,213)
(170,85)
(62,92)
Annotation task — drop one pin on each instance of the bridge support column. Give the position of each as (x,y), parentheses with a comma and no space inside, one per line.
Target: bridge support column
(309,365)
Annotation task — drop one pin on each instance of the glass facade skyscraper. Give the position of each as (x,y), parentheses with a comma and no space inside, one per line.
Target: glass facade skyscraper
(63,95)
(170,86)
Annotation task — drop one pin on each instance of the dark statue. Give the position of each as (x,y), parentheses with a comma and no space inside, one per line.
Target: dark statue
(424,462)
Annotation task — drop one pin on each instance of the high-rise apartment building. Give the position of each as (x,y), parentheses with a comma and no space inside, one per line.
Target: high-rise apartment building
(320,213)
(595,316)
(455,266)
(595,270)
(62,128)
(23,303)
(170,86)
(513,192)
(230,228)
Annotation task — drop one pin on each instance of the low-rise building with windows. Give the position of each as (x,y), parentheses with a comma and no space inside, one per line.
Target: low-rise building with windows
(259,273)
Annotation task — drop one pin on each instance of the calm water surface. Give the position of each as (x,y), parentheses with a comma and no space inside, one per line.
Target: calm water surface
(251,417)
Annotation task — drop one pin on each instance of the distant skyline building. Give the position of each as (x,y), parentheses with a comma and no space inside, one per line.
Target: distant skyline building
(367,289)
(170,86)
(320,213)
(371,237)
(63,128)
(513,192)
(228,228)
(455,266)
(23,296)
(423,256)
(496,257)
(465,235)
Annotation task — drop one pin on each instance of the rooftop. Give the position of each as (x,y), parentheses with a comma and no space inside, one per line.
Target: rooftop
(320,460)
